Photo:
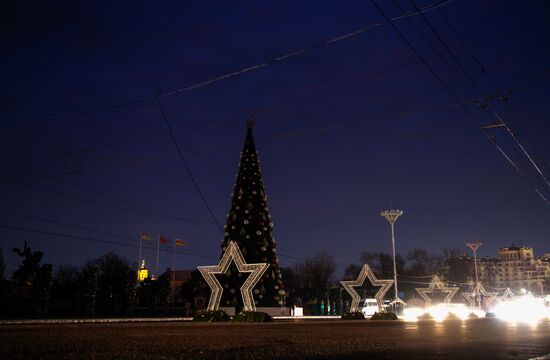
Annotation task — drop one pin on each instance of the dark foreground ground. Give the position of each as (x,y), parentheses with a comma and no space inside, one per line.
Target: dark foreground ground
(472,339)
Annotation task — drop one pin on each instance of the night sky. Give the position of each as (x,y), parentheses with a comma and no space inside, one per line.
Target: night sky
(343,130)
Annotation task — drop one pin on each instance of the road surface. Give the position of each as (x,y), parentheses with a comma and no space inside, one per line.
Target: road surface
(453,339)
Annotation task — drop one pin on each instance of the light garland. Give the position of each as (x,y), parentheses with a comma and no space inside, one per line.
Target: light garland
(232,253)
(366,272)
(437,283)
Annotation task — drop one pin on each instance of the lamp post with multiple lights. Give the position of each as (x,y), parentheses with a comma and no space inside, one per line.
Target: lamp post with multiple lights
(474,247)
(391,216)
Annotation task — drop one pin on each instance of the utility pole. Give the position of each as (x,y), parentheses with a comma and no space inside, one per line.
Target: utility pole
(391,216)
(173,274)
(474,247)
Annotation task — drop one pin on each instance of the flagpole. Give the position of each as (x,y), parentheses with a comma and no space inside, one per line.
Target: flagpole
(139,259)
(173,274)
(158,251)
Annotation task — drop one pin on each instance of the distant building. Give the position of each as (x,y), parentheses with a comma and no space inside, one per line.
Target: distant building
(143,273)
(516,268)
(178,277)
(515,253)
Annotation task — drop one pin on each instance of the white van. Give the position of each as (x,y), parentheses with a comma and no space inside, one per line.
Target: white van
(368,307)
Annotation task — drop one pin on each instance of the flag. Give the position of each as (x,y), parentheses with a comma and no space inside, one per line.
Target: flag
(145,236)
(180,242)
(163,240)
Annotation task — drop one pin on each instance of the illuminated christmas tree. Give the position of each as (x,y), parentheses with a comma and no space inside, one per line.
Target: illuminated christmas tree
(249,224)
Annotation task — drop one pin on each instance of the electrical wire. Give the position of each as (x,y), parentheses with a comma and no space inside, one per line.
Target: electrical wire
(91,190)
(435,49)
(300,51)
(100,203)
(85,238)
(186,166)
(77,227)
(250,68)
(480,91)
(55,222)
(270,108)
(195,184)
(454,72)
(506,99)
(440,80)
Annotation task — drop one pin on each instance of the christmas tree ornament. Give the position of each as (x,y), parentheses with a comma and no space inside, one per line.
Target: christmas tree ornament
(249,222)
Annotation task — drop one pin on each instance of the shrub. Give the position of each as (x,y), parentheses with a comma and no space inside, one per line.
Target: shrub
(425,316)
(452,316)
(357,315)
(211,316)
(252,316)
(384,316)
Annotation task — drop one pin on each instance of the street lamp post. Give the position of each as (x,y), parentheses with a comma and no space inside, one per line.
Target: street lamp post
(391,216)
(474,247)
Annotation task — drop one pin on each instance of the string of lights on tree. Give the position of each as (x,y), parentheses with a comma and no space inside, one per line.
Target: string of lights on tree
(249,225)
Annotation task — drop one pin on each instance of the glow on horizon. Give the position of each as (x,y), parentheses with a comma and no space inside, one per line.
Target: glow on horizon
(526,309)
(440,312)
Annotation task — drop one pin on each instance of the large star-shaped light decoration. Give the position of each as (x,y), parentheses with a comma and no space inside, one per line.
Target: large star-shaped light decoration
(489,297)
(366,272)
(439,284)
(232,253)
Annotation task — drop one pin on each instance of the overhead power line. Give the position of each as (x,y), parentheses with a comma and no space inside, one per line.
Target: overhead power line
(57,178)
(186,166)
(86,238)
(301,51)
(507,103)
(266,109)
(435,49)
(253,67)
(101,232)
(426,64)
(455,73)
(486,104)
(55,222)
(445,86)
(100,203)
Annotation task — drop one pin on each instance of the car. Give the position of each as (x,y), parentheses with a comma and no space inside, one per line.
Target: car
(368,307)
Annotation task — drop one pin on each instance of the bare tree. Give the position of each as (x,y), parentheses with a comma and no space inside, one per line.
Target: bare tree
(351,271)
(451,253)
(2,265)
(422,263)
(312,276)
(382,263)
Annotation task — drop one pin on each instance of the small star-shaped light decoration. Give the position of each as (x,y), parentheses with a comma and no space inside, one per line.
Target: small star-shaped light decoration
(232,253)
(507,295)
(437,283)
(366,272)
(479,289)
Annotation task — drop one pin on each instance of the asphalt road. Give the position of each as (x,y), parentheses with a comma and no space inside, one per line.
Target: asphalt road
(454,339)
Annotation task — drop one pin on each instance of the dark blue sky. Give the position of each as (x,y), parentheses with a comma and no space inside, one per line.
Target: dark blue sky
(387,140)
